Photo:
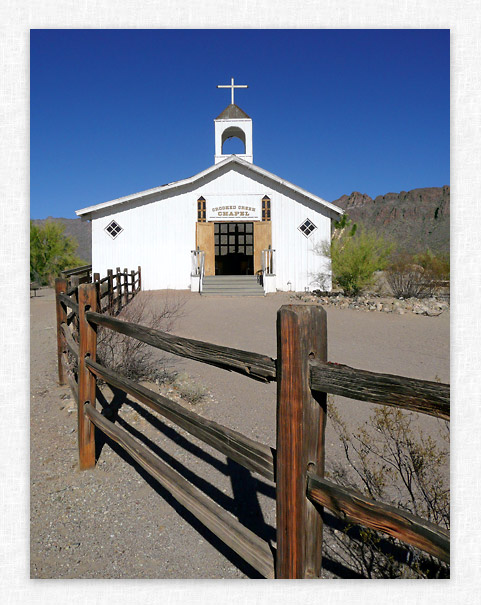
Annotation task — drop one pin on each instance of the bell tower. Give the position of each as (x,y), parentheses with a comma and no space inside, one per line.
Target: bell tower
(233,122)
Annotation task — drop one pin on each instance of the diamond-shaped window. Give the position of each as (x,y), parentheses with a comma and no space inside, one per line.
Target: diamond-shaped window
(113,229)
(307,227)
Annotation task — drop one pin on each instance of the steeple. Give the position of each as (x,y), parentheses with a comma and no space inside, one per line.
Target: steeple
(233,122)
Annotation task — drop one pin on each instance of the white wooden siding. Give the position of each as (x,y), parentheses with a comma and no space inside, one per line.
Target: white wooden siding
(159,232)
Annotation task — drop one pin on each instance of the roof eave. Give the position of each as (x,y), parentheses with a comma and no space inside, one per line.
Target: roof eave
(88,211)
(147,192)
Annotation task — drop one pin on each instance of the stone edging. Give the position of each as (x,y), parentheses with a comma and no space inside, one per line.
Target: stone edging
(431,307)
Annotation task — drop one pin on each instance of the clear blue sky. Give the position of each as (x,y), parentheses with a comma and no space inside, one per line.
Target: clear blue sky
(114,112)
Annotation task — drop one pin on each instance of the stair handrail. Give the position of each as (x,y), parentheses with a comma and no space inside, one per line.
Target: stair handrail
(268,261)
(198,265)
(198,261)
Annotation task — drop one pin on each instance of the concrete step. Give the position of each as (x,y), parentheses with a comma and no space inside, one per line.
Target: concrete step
(231,293)
(230,275)
(231,285)
(234,288)
(221,279)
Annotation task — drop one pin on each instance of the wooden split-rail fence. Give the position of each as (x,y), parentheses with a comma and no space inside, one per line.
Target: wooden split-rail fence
(80,275)
(303,376)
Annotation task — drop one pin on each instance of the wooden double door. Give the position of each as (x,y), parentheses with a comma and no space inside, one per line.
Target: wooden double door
(233,248)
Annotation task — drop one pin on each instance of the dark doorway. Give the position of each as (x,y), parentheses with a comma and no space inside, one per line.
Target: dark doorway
(234,248)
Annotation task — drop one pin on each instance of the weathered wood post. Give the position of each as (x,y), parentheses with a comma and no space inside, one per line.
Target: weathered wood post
(125,297)
(301,336)
(96,281)
(60,288)
(86,379)
(118,289)
(110,297)
(132,277)
(140,280)
(74,283)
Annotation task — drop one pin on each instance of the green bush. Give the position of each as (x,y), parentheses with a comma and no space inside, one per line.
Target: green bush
(355,256)
(51,252)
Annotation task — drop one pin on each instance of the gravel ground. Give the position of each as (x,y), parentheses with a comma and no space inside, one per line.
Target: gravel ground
(114,521)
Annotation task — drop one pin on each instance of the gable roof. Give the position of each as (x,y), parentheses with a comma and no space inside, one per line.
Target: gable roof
(232,159)
(233,112)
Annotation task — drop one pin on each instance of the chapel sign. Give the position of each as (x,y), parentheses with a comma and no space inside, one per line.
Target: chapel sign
(233,212)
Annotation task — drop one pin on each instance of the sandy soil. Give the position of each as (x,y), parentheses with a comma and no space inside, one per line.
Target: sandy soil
(113,521)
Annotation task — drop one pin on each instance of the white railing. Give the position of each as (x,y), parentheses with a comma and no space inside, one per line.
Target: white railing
(197,272)
(268,262)
(198,259)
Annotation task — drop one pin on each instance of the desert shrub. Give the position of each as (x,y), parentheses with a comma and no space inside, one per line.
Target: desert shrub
(51,252)
(408,279)
(355,255)
(342,226)
(390,460)
(417,275)
(134,359)
(436,265)
(188,389)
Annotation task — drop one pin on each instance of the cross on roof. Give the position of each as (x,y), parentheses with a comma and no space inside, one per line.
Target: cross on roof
(232,86)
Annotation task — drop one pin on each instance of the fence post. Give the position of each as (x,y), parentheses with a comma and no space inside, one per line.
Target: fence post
(126,287)
(110,296)
(301,417)
(86,379)
(132,277)
(118,289)
(140,280)
(60,288)
(73,282)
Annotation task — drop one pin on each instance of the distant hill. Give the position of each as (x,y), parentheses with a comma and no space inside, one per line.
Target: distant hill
(81,231)
(416,219)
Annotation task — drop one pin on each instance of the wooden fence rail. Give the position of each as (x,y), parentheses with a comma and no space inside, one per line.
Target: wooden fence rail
(407,393)
(357,508)
(255,456)
(304,377)
(84,269)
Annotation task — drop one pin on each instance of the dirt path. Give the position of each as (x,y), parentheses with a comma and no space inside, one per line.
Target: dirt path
(114,522)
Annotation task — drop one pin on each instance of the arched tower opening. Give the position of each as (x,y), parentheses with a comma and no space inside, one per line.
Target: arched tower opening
(233,141)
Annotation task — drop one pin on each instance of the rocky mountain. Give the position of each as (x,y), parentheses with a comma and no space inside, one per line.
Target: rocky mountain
(80,231)
(416,219)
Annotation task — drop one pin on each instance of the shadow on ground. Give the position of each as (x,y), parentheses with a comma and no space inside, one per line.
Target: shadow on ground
(244,503)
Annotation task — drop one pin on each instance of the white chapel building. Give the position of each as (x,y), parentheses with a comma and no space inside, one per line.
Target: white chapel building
(233,225)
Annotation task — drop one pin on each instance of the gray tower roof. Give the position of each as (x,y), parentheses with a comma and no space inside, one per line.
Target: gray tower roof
(233,112)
